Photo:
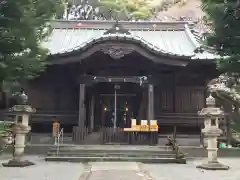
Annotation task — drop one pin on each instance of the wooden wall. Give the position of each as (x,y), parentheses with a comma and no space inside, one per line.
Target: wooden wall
(179,99)
(188,99)
(52,98)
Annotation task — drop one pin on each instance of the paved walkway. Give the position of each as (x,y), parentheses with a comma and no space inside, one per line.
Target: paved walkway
(190,172)
(118,171)
(42,171)
(115,170)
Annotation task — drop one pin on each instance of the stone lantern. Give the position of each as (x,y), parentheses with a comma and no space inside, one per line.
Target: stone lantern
(20,129)
(211,131)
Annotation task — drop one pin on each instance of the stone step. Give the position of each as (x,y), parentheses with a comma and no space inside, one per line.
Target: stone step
(86,154)
(109,151)
(113,150)
(131,159)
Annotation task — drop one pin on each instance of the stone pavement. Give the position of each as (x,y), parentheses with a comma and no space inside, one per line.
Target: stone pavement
(42,170)
(115,170)
(190,172)
(118,171)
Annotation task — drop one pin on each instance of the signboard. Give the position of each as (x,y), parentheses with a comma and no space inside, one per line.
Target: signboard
(55,128)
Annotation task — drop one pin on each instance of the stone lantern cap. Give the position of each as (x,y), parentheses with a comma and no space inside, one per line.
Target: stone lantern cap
(211,112)
(22,109)
(211,109)
(210,101)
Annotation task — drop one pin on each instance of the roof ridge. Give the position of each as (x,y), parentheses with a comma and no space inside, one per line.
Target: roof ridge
(102,24)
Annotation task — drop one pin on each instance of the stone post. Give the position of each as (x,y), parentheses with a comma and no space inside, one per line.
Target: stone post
(211,131)
(19,130)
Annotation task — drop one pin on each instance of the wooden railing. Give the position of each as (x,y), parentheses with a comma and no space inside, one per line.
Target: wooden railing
(79,134)
(117,135)
(110,135)
(185,119)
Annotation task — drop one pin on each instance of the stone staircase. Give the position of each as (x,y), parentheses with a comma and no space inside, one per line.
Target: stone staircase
(90,153)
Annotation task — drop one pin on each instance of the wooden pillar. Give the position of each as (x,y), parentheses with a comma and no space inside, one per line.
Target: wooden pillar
(142,108)
(150,102)
(81,115)
(92,114)
(174,93)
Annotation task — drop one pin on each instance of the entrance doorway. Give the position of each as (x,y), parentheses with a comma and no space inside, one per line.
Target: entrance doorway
(117,103)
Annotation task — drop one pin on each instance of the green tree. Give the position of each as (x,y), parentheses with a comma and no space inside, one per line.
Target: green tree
(24,24)
(223,17)
(128,9)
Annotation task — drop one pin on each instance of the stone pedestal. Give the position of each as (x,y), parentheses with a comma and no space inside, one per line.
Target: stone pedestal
(213,166)
(212,161)
(19,130)
(212,132)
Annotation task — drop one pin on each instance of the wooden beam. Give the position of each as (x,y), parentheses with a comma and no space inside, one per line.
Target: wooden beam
(81,116)
(151,102)
(89,79)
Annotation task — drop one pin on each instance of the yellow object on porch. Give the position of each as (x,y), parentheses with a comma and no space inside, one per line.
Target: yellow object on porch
(143,127)
(153,125)
(133,122)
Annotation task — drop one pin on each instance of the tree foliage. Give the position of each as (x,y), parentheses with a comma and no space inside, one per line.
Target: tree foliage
(127,10)
(223,17)
(23,26)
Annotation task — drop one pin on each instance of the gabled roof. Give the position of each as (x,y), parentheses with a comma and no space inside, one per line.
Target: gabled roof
(162,38)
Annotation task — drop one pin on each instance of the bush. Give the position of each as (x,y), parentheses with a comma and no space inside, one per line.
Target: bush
(4,131)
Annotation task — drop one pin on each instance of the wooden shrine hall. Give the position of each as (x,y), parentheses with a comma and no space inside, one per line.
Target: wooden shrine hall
(104,73)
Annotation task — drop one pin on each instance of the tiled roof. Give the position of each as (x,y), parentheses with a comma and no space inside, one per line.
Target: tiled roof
(167,38)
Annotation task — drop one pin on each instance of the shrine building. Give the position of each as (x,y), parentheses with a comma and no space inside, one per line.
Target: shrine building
(103,73)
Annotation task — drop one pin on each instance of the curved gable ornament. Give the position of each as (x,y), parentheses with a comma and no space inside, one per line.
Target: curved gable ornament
(117,29)
(117,51)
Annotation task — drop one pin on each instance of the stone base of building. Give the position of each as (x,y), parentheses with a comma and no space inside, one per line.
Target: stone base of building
(213,166)
(17,163)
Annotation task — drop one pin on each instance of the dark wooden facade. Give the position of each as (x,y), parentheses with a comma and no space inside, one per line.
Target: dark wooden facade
(179,91)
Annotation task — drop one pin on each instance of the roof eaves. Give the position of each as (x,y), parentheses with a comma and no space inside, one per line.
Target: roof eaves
(201,52)
(133,38)
(191,36)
